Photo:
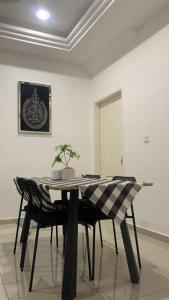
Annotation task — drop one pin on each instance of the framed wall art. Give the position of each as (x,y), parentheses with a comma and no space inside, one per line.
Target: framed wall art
(34,108)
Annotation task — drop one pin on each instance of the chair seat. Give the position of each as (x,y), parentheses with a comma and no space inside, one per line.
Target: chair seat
(45,219)
(50,219)
(90,214)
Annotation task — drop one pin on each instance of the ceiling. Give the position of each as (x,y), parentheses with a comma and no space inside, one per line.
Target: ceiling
(89,33)
(64,15)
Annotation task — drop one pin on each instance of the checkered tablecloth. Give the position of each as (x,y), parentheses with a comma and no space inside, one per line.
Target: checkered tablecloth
(113,198)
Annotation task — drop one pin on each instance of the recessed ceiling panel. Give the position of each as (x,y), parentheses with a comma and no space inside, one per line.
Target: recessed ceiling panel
(64,14)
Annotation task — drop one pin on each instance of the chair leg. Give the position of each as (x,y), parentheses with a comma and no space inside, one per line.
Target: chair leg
(51,235)
(22,237)
(88,251)
(17,228)
(93,253)
(64,238)
(64,244)
(115,237)
(57,240)
(24,245)
(136,238)
(100,230)
(34,258)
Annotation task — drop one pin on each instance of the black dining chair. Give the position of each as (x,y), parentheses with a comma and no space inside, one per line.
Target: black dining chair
(22,208)
(43,213)
(91,215)
(65,197)
(91,176)
(132,216)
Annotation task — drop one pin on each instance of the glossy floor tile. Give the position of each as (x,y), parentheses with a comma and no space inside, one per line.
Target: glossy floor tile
(111,274)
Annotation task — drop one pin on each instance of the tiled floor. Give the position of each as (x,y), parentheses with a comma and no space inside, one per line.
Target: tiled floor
(112,278)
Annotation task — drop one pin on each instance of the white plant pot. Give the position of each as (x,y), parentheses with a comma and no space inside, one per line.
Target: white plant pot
(68,173)
(56,174)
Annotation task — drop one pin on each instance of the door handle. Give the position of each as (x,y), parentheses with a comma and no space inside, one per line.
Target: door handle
(121,160)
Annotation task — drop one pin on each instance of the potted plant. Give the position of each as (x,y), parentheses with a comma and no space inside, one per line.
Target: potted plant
(64,153)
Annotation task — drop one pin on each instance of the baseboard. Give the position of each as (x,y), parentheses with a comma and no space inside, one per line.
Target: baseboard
(8,221)
(154,234)
(14,221)
(148,232)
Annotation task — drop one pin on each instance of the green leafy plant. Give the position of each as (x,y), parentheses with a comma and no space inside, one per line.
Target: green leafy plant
(63,155)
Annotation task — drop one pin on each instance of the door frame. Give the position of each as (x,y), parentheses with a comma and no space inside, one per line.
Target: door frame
(112,97)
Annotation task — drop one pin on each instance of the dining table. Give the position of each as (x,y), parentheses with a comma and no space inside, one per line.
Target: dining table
(113,197)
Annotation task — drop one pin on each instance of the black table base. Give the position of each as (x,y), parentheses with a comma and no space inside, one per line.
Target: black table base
(70,262)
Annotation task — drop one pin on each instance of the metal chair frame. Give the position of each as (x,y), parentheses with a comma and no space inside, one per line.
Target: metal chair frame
(132,216)
(21,209)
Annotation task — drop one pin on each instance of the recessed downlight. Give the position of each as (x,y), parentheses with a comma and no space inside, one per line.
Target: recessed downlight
(43,14)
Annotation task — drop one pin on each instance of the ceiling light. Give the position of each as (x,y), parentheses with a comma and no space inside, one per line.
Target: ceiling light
(43,14)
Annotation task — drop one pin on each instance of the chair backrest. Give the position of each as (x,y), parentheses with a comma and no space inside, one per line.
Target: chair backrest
(17,186)
(38,198)
(90,176)
(125,178)
(66,192)
(22,187)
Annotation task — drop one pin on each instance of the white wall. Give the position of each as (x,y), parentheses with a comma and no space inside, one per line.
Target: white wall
(143,78)
(31,155)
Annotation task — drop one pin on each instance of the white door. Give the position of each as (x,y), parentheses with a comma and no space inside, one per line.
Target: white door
(111,137)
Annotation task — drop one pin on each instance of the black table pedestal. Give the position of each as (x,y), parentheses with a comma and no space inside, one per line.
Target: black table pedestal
(70,262)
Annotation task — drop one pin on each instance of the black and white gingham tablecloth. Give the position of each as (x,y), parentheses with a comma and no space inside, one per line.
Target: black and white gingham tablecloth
(112,197)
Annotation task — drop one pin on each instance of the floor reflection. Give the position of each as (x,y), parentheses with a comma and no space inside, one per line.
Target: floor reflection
(111,272)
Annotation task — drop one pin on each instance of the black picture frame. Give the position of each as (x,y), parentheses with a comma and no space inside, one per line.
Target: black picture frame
(34,108)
